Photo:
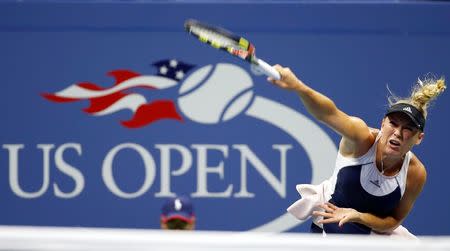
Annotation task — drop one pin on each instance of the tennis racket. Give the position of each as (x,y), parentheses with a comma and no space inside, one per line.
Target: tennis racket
(222,39)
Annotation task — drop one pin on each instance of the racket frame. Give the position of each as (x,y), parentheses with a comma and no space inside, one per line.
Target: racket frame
(236,46)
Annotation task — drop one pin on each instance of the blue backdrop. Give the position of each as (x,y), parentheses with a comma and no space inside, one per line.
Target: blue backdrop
(225,137)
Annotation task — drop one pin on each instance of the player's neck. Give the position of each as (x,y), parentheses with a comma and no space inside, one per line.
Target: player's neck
(388,165)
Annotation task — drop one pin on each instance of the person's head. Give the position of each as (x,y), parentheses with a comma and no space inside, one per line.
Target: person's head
(404,122)
(178,214)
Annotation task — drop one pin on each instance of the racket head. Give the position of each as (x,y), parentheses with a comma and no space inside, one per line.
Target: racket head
(222,39)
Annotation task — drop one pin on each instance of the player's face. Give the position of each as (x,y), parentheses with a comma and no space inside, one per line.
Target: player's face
(399,134)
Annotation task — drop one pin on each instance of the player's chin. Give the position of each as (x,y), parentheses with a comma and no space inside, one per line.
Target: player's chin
(395,153)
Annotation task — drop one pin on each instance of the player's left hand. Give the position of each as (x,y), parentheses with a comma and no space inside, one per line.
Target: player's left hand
(334,214)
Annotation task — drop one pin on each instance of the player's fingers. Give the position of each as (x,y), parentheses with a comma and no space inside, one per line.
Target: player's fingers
(324,214)
(327,208)
(282,85)
(272,80)
(331,205)
(278,67)
(278,83)
(329,220)
(280,70)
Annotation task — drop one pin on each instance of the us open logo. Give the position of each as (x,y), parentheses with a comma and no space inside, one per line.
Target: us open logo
(210,95)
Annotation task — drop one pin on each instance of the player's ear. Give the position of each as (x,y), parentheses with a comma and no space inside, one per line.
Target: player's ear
(420,137)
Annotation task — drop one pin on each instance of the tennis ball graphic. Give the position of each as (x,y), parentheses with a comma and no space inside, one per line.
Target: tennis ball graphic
(215,94)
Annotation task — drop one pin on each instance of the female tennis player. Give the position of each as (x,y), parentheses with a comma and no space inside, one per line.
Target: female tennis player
(377,178)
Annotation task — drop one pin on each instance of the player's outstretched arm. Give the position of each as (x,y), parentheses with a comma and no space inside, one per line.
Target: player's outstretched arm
(352,129)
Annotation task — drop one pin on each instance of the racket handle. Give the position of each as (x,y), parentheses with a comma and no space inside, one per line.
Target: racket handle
(268,69)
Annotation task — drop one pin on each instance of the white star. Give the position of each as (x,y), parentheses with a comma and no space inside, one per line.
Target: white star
(179,74)
(173,63)
(178,204)
(163,70)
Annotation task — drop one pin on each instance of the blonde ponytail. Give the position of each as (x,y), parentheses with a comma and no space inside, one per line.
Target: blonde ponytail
(422,94)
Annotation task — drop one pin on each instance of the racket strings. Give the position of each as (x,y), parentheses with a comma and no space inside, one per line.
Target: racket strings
(215,39)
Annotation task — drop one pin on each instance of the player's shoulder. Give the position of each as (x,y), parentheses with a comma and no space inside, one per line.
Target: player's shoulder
(417,172)
(365,140)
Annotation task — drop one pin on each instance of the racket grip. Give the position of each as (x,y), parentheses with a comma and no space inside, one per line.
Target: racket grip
(268,69)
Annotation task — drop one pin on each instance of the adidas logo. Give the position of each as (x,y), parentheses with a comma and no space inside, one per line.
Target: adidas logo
(408,109)
(376,183)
